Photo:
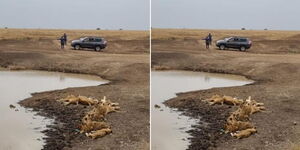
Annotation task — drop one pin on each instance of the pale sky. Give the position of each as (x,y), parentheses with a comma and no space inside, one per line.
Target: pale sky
(226,14)
(134,14)
(75,14)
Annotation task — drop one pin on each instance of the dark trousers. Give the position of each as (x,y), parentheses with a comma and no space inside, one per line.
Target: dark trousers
(62,45)
(207,45)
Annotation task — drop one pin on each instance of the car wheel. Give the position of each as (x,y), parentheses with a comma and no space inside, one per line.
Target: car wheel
(222,47)
(243,48)
(98,48)
(77,47)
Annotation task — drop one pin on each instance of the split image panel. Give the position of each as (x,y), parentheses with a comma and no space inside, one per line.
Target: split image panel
(149,74)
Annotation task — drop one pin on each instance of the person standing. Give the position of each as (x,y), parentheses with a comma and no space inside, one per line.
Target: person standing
(206,39)
(207,42)
(210,38)
(62,42)
(65,38)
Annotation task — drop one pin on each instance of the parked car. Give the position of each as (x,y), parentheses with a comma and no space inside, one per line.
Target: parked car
(240,43)
(96,43)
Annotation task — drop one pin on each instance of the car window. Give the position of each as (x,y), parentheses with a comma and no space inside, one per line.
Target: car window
(243,40)
(91,39)
(86,40)
(231,40)
(227,39)
(98,40)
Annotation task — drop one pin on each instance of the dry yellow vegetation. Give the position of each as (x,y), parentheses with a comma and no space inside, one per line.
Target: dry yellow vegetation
(166,34)
(295,147)
(119,41)
(264,41)
(37,34)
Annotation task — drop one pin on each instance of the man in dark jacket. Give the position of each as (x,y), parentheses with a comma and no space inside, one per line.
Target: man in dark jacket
(207,41)
(65,38)
(62,42)
(209,38)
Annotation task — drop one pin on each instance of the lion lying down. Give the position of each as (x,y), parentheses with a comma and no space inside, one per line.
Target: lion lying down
(244,133)
(71,99)
(248,108)
(98,133)
(101,110)
(91,124)
(234,125)
(217,99)
(238,120)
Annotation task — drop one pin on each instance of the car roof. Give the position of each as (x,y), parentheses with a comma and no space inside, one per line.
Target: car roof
(92,37)
(95,37)
(239,37)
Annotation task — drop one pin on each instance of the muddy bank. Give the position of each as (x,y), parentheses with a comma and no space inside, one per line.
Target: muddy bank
(130,126)
(168,125)
(22,127)
(65,129)
(277,79)
(211,122)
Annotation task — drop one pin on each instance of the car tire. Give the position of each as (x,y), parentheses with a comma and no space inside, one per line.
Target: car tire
(77,47)
(98,48)
(222,47)
(243,48)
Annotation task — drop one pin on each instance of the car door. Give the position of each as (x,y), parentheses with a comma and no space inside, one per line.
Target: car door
(91,42)
(85,43)
(235,43)
(230,43)
(98,42)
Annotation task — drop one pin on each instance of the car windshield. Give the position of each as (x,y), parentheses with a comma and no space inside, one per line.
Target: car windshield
(226,39)
(81,39)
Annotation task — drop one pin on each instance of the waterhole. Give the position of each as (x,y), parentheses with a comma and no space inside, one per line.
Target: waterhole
(168,126)
(19,127)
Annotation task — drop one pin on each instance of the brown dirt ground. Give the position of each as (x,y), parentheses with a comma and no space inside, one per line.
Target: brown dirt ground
(125,63)
(275,70)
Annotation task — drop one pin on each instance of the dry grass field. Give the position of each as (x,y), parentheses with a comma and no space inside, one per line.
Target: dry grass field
(190,39)
(177,34)
(119,41)
(37,34)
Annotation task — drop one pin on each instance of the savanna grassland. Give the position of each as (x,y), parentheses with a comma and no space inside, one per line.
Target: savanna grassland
(119,41)
(125,63)
(273,62)
(275,41)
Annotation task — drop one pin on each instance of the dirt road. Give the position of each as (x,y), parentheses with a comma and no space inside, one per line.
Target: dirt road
(125,63)
(275,72)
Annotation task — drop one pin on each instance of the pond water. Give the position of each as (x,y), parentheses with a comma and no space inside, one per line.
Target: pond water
(19,127)
(168,126)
